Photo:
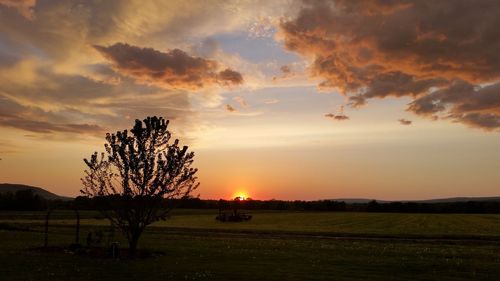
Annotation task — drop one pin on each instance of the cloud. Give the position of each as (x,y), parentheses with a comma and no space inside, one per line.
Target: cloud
(7,147)
(376,49)
(46,127)
(55,84)
(24,7)
(36,120)
(271,101)
(286,72)
(229,77)
(241,101)
(338,117)
(462,102)
(405,121)
(173,69)
(230,108)
(396,84)
(286,69)
(37,99)
(486,121)
(207,48)
(263,27)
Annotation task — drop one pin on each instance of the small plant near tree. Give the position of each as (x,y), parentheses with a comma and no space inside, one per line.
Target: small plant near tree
(136,177)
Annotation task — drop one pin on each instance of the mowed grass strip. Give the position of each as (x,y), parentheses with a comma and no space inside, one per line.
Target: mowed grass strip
(465,226)
(356,223)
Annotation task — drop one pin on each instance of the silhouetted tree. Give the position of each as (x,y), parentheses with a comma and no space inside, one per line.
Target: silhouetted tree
(136,173)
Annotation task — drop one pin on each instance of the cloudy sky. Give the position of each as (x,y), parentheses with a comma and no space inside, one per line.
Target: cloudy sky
(278,99)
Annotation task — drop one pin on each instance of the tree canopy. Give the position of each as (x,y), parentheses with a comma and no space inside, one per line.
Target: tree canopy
(136,172)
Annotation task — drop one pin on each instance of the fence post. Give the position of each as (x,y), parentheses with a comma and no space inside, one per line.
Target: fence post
(77,234)
(46,238)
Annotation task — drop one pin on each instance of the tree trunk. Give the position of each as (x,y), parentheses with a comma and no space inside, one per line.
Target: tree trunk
(132,243)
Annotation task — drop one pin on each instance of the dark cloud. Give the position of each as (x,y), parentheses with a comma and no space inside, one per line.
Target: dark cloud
(230,108)
(229,77)
(36,120)
(338,117)
(374,49)
(286,72)
(406,122)
(486,121)
(462,102)
(286,69)
(72,104)
(396,84)
(47,127)
(26,8)
(173,69)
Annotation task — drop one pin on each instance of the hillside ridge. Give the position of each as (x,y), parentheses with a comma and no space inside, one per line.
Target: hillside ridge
(13,188)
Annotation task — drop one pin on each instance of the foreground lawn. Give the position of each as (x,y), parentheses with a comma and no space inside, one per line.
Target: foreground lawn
(223,256)
(272,246)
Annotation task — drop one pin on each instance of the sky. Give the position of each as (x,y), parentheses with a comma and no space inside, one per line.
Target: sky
(288,99)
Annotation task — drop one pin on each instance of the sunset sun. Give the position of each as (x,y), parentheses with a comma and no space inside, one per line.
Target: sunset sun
(241,195)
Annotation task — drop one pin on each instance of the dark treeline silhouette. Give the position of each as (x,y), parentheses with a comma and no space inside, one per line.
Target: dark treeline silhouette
(467,207)
(27,201)
(484,207)
(22,200)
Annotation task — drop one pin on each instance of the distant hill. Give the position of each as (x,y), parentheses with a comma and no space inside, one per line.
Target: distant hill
(358,200)
(13,188)
(460,199)
(439,200)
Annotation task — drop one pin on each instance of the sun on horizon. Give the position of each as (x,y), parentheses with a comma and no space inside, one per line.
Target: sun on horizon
(241,196)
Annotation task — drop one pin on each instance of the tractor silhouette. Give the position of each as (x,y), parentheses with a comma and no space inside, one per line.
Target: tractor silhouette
(228,211)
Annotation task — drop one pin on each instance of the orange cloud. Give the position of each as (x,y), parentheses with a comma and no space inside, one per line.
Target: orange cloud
(375,49)
(241,101)
(173,69)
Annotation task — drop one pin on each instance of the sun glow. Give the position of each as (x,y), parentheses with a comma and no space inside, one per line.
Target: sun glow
(241,196)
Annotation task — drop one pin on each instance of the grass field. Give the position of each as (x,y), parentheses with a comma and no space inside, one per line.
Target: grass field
(273,246)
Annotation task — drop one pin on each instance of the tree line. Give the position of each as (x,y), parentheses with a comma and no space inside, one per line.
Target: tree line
(22,200)
(481,207)
(26,200)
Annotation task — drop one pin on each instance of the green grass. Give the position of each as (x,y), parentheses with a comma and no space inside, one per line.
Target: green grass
(320,223)
(354,223)
(252,254)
